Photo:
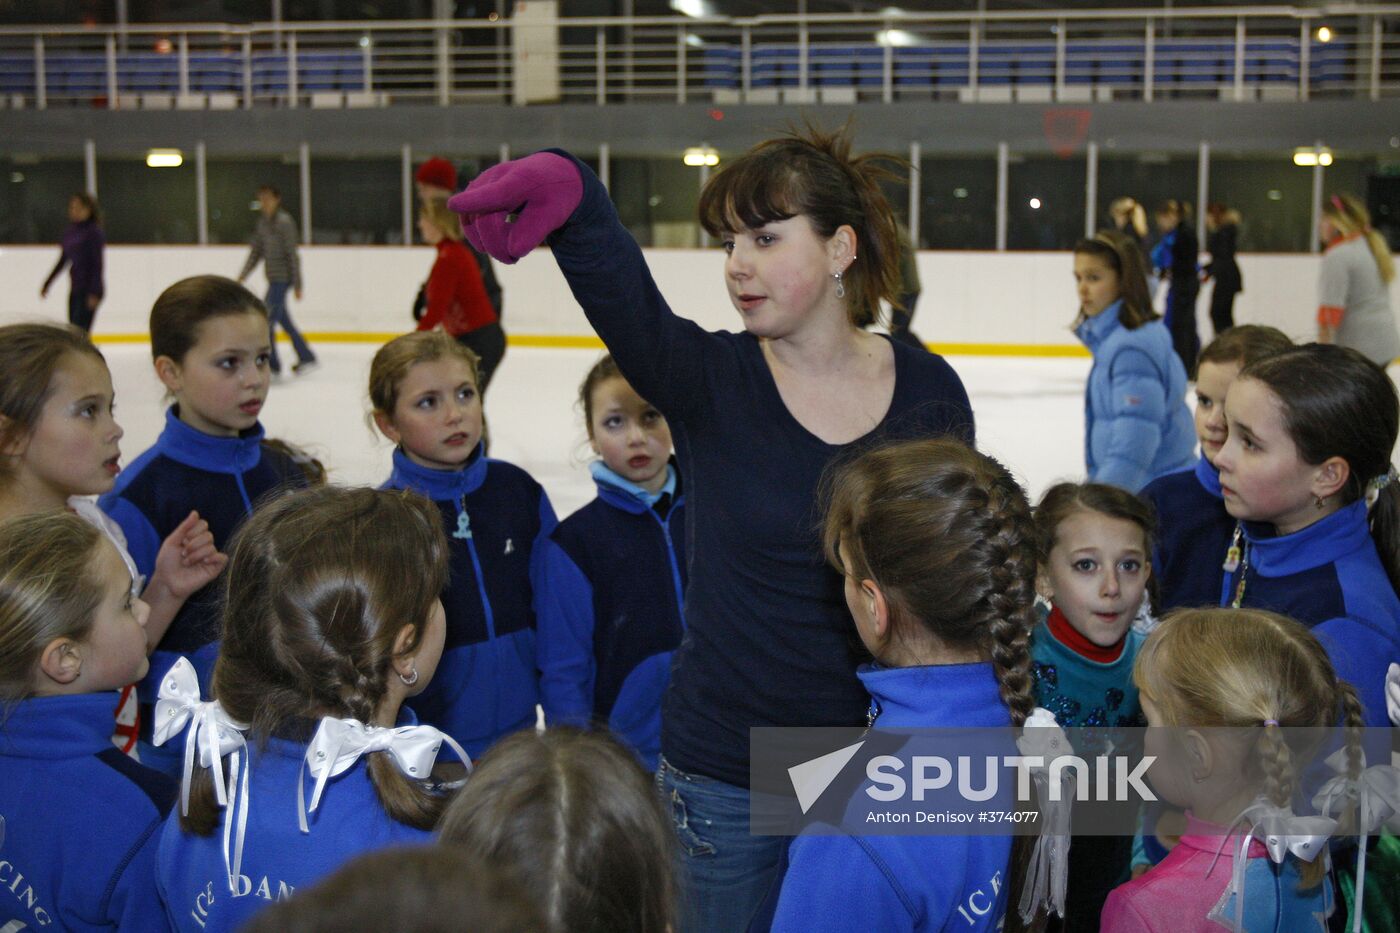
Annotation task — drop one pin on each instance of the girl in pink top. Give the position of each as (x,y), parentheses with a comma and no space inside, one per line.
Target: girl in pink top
(1227,680)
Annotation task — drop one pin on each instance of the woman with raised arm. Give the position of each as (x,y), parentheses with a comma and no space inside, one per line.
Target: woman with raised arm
(811,248)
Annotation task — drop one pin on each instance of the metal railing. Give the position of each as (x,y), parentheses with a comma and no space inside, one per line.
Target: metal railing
(1239,54)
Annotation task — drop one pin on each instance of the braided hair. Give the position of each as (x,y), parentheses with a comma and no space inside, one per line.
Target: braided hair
(1248,669)
(320,583)
(947,534)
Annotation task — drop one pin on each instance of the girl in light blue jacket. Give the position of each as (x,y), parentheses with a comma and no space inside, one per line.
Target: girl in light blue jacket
(1136,423)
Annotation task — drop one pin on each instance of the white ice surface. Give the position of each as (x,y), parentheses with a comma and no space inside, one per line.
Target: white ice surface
(1030,414)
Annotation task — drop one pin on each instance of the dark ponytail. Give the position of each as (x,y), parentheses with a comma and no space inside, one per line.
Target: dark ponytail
(812,173)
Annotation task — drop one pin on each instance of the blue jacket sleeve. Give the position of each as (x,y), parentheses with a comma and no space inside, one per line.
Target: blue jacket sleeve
(142,541)
(564,639)
(1133,423)
(663,356)
(134,901)
(833,883)
(1361,655)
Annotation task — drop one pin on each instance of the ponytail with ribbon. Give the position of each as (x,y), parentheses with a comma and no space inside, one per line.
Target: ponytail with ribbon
(1042,740)
(214,735)
(339,743)
(1375,793)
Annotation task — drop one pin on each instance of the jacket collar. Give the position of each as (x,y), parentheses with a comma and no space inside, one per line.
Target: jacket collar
(930,697)
(1209,478)
(193,447)
(626,495)
(1322,542)
(1093,331)
(59,727)
(439,484)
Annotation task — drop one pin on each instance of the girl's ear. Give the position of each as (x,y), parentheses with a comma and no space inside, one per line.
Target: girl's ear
(385,424)
(403,658)
(1200,757)
(168,372)
(16,445)
(1043,586)
(879,608)
(842,248)
(1330,477)
(61,662)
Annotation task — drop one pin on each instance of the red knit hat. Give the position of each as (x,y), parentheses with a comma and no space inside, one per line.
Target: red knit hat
(438,173)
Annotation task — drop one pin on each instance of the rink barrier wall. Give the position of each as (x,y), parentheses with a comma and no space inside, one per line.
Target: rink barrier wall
(979,303)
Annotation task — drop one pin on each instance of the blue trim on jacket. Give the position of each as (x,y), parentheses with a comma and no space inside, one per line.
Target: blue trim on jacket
(1329,576)
(1193,534)
(496,517)
(906,882)
(81,820)
(619,562)
(278,859)
(1136,423)
(186,469)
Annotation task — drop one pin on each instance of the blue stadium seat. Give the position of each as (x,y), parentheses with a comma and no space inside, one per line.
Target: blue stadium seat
(774,66)
(148,73)
(75,75)
(17,74)
(216,72)
(721,66)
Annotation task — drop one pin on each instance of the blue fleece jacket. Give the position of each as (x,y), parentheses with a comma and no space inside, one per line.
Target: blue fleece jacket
(906,882)
(1193,534)
(766,621)
(221,477)
(1328,576)
(496,517)
(610,611)
(81,820)
(1136,423)
(278,858)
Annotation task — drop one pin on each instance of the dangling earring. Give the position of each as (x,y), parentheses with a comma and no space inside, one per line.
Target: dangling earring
(840,286)
(410,681)
(1319,502)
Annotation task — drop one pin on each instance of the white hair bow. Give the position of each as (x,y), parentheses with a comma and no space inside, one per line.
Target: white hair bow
(1376,791)
(214,735)
(1283,834)
(1048,874)
(339,743)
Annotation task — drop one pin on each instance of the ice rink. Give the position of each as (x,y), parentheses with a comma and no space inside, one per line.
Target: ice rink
(1030,414)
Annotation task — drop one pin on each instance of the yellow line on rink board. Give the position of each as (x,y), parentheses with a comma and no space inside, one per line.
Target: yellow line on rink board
(581,342)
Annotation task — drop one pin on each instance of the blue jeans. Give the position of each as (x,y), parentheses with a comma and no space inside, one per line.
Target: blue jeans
(277,314)
(725,870)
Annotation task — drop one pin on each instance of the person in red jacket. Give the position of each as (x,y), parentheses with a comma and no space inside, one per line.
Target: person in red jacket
(456,296)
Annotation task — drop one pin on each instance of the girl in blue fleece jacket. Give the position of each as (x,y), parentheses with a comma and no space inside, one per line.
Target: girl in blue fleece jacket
(938,551)
(332,623)
(210,348)
(614,575)
(424,390)
(1193,528)
(1136,423)
(80,818)
(1306,471)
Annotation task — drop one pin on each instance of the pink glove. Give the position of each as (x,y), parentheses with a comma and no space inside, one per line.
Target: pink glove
(510,208)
